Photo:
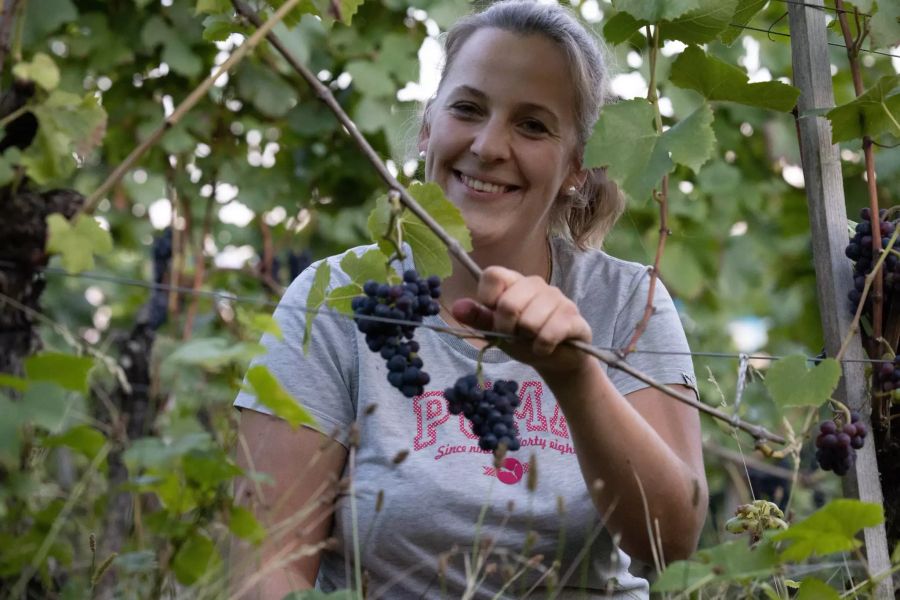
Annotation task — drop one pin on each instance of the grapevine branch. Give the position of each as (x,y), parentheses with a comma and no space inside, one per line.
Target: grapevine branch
(610,358)
(661,197)
(195,96)
(880,408)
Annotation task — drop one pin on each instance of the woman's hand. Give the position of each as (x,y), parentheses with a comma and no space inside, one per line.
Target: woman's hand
(509,302)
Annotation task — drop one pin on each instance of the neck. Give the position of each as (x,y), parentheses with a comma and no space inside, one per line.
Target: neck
(528,259)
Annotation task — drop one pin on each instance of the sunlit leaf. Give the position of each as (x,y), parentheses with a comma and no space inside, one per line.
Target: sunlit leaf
(243,524)
(791,383)
(271,394)
(41,70)
(718,80)
(832,528)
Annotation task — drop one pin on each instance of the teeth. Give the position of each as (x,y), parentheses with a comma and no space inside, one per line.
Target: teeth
(482,186)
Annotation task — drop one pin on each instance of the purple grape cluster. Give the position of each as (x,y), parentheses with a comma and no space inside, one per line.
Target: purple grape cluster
(889,376)
(158,306)
(837,444)
(491,411)
(859,250)
(412,301)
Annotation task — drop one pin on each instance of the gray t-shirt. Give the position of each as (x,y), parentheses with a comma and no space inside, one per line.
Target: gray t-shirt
(432,501)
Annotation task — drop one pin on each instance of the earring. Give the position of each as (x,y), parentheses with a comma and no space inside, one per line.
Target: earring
(571,191)
(421,155)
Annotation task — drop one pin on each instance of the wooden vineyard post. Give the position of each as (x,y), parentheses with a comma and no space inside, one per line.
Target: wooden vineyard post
(834,278)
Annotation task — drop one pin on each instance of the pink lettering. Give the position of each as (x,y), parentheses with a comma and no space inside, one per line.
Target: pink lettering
(530,408)
(558,424)
(431,412)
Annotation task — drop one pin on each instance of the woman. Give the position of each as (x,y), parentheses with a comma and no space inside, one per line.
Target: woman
(608,469)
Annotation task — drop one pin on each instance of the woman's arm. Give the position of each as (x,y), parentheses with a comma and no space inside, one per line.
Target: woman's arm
(295,504)
(645,449)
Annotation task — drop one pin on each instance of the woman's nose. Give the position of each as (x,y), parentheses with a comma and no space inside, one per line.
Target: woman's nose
(491,142)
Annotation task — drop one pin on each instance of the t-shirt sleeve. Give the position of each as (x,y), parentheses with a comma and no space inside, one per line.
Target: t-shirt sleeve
(323,379)
(666,354)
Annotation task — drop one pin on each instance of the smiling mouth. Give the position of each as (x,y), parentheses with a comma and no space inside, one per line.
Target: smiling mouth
(483,186)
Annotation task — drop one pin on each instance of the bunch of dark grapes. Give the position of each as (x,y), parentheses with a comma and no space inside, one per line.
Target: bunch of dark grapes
(491,411)
(859,250)
(889,376)
(412,301)
(837,444)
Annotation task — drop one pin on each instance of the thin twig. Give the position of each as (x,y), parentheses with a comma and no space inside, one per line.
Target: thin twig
(199,268)
(199,92)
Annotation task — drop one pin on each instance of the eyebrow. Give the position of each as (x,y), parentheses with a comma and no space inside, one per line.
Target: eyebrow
(530,106)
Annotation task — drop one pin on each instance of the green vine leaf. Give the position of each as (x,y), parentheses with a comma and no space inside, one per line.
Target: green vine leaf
(272,395)
(832,528)
(213,353)
(745,11)
(701,24)
(41,70)
(875,112)
(732,562)
(314,299)
(243,524)
(197,555)
(626,141)
(8,162)
(816,589)
(371,265)
(429,253)
(621,27)
(66,370)
(653,11)
(718,80)
(884,22)
(790,383)
(215,7)
(77,243)
(82,438)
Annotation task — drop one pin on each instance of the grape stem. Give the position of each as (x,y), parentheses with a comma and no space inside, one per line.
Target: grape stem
(853,46)
(615,360)
(840,407)
(661,196)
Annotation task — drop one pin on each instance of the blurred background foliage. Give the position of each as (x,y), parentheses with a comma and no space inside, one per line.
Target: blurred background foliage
(259,180)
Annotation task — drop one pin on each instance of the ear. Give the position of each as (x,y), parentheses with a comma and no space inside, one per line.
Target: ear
(577,174)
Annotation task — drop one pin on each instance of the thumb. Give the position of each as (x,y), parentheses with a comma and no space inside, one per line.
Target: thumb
(471,313)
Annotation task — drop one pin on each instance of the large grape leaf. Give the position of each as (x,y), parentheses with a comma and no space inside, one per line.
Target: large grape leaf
(790,383)
(731,561)
(718,80)
(621,27)
(701,24)
(637,156)
(875,112)
(816,589)
(884,22)
(77,243)
(429,253)
(194,557)
(830,529)
(654,11)
(272,395)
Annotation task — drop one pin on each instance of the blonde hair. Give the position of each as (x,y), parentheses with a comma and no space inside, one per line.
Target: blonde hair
(586,216)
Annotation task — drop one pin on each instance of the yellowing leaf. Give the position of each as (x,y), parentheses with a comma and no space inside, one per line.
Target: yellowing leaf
(41,70)
(270,394)
(77,243)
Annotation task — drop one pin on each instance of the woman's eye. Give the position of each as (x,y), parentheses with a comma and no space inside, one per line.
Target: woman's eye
(464,108)
(533,126)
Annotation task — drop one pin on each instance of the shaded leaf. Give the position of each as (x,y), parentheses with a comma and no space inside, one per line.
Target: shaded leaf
(66,370)
(701,24)
(83,438)
(371,79)
(621,27)
(790,383)
(654,11)
(718,80)
(213,353)
(317,294)
(830,529)
(875,112)
(816,589)
(270,394)
(197,555)
(745,11)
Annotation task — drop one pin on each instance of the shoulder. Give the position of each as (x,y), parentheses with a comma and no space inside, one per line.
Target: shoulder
(595,270)
(337,277)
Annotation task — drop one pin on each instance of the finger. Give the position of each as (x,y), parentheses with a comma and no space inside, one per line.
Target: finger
(471,313)
(494,282)
(538,310)
(514,301)
(565,323)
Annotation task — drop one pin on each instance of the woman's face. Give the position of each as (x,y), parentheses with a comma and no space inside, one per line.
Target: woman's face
(501,137)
